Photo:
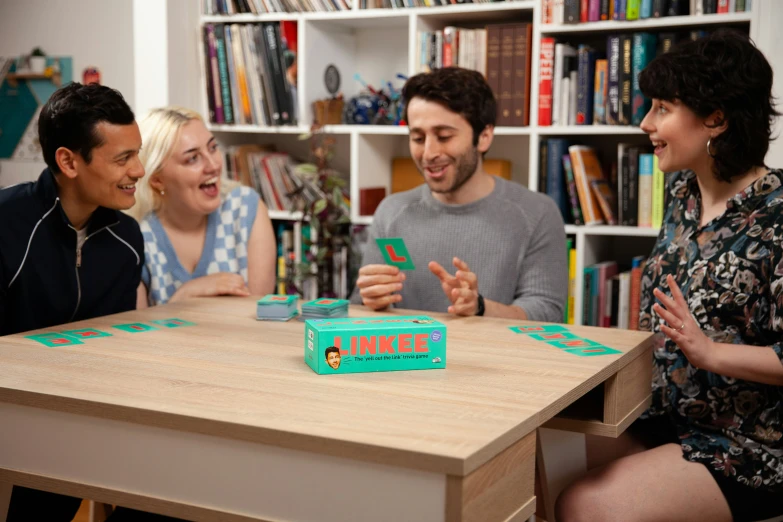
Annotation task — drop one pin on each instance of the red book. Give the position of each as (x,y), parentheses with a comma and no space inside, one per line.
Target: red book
(546,67)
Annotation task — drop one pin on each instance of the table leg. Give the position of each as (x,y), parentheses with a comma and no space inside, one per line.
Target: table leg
(502,490)
(5,499)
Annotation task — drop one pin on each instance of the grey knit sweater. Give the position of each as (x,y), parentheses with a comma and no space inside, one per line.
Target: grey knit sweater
(513,239)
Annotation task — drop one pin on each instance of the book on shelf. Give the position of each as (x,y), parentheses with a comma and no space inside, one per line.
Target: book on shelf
(249,74)
(500,52)
(558,12)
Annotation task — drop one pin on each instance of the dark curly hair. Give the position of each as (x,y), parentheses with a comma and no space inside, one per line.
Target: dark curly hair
(460,90)
(721,71)
(70,116)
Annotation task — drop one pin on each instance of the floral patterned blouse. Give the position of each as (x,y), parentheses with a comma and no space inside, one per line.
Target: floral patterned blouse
(731,273)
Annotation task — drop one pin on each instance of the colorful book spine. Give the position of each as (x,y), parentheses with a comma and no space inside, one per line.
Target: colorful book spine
(659,186)
(585,90)
(643,52)
(613,80)
(546,68)
(645,190)
(626,68)
(632,10)
(573,195)
(645,11)
(555,177)
(572,286)
(599,94)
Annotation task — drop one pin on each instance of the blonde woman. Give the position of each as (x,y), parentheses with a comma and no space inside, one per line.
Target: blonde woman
(203,234)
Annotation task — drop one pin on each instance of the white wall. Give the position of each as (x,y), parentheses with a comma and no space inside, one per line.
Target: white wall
(93,32)
(769,39)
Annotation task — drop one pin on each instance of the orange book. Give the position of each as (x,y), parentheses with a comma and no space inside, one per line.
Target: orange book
(587,169)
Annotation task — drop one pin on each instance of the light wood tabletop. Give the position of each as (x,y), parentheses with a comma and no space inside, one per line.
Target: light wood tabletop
(233,377)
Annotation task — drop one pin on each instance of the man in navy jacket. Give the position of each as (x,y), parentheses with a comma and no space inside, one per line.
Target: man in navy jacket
(67,253)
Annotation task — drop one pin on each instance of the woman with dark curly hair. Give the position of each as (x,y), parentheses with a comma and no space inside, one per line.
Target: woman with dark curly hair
(710,446)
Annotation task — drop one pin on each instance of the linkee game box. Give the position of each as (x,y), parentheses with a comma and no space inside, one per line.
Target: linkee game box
(356,345)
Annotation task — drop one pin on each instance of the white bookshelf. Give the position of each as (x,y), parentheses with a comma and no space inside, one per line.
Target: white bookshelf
(380,43)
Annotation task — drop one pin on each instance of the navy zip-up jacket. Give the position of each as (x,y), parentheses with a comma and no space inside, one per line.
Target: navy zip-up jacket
(44,281)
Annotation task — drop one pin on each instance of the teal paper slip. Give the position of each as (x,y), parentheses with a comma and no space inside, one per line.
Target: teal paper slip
(395,253)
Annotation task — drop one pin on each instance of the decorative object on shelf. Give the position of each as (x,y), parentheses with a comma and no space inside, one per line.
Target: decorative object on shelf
(37,61)
(91,75)
(328,248)
(375,107)
(330,110)
(22,94)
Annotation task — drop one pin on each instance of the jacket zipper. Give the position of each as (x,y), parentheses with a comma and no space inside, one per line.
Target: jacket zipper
(78,279)
(78,265)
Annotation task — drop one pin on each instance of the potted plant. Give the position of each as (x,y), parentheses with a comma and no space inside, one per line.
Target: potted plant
(37,61)
(327,213)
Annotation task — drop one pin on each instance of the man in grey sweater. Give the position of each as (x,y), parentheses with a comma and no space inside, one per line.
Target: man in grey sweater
(506,243)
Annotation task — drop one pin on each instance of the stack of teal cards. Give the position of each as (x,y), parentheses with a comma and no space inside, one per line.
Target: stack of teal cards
(325,308)
(274,307)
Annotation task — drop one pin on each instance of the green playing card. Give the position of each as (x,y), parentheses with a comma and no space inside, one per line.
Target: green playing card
(134,327)
(86,333)
(54,339)
(395,253)
(553,336)
(592,350)
(172,322)
(277,299)
(575,343)
(539,329)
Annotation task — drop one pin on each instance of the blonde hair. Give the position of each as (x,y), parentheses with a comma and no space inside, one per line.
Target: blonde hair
(160,130)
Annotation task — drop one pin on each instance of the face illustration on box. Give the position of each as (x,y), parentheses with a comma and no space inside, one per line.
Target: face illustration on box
(333,357)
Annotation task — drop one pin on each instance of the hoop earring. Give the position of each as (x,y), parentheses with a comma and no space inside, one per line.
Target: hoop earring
(709,152)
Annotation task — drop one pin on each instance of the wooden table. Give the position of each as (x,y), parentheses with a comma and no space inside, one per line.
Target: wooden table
(223,420)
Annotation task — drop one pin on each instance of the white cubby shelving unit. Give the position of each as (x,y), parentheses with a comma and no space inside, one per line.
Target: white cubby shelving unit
(380,43)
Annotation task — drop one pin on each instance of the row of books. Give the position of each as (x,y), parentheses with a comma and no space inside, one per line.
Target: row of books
(250,74)
(230,7)
(583,85)
(501,52)
(395,4)
(583,11)
(611,294)
(275,176)
(633,194)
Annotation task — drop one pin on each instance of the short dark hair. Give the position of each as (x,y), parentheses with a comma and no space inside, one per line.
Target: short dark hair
(70,116)
(463,91)
(331,349)
(721,71)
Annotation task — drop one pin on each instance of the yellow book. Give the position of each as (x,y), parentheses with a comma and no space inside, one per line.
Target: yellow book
(281,275)
(571,285)
(658,189)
